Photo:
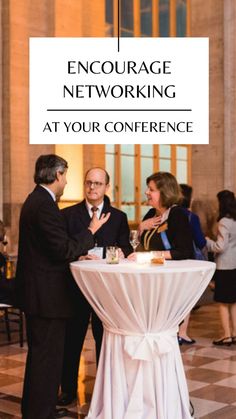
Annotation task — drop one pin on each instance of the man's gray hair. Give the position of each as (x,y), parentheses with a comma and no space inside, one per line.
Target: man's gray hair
(46,168)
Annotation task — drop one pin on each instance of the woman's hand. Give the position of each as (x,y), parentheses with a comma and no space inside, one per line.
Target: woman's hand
(132,256)
(149,224)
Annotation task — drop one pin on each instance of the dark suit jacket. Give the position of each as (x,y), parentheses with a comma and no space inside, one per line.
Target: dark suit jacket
(45,250)
(178,232)
(115,232)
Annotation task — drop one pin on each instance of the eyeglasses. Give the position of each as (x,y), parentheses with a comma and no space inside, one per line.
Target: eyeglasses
(96,185)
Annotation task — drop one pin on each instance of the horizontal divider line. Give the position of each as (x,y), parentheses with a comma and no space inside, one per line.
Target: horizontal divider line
(119,110)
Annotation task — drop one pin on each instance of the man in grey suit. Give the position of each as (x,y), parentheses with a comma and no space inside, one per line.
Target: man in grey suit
(43,284)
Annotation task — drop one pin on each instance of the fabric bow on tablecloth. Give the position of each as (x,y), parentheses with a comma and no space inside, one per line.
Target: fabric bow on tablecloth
(147,345)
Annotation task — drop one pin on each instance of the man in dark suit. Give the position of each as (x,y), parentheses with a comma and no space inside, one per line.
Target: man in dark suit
(114,232)
(43,284)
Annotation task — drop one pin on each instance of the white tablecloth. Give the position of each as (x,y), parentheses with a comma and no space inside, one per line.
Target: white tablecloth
(140,373)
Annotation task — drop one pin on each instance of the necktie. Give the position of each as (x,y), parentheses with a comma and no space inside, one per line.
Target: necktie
(94,211)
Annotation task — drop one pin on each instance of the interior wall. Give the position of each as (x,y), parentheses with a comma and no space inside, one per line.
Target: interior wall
(74,156)
(79,18)
(207,19)
(208,160)
(1,136)
(229,94)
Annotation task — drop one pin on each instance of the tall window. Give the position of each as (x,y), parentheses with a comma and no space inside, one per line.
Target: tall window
(149,17)
(129,166)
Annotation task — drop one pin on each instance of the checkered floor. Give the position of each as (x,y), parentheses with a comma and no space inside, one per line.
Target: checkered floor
(210,372)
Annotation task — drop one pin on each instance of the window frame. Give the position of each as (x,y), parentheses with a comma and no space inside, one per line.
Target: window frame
(117,202)
(155,9)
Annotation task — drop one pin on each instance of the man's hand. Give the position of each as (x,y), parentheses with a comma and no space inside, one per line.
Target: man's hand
(120,253)
(132,256)
(97,223)
(89,257)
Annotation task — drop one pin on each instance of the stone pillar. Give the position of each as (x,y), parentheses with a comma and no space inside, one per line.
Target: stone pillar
(229,95)
(94,156)
(208,160)
(207,19)
(81,18)
(20,20)
(1,136)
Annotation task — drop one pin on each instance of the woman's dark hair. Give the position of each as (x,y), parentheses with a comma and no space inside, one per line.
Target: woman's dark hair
(186,192)
(46,168)
(227,204)
(168,186)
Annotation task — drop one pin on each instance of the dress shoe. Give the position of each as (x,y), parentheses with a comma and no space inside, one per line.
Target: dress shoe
(60,413)
(223,342)
(65,398)
(183,341)
(234,340)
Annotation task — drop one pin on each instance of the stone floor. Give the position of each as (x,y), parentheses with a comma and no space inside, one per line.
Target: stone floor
(210,372)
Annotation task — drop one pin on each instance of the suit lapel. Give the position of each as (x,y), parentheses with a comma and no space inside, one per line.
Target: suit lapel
(106,206)
(84,215)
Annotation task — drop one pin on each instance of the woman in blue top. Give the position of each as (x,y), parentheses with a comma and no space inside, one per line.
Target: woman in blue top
(185,202)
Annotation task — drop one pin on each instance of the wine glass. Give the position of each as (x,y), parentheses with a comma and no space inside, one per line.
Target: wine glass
(134,239)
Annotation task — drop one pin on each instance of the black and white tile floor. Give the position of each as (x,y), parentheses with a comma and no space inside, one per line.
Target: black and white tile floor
(210,372)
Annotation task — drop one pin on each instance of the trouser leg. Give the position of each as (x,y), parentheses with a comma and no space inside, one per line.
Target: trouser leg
(97,329)
(43,366)
(76,329)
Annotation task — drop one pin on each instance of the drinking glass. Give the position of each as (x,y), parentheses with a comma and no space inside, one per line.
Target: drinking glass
(112,254)
(134,239)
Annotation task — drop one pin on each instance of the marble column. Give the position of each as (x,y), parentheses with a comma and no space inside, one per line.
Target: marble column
(230,95)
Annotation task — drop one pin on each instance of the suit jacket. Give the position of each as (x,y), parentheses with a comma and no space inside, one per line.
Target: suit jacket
(45,250)
(115,232)
(224,246)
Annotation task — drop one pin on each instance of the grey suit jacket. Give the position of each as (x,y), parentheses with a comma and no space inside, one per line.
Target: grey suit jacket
(225,245)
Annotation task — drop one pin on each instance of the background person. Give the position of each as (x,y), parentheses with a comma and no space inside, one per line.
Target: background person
(2,257)
(200,243)
(43,285)
(114,232)
(7,285)
(224,248)
(165,217)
